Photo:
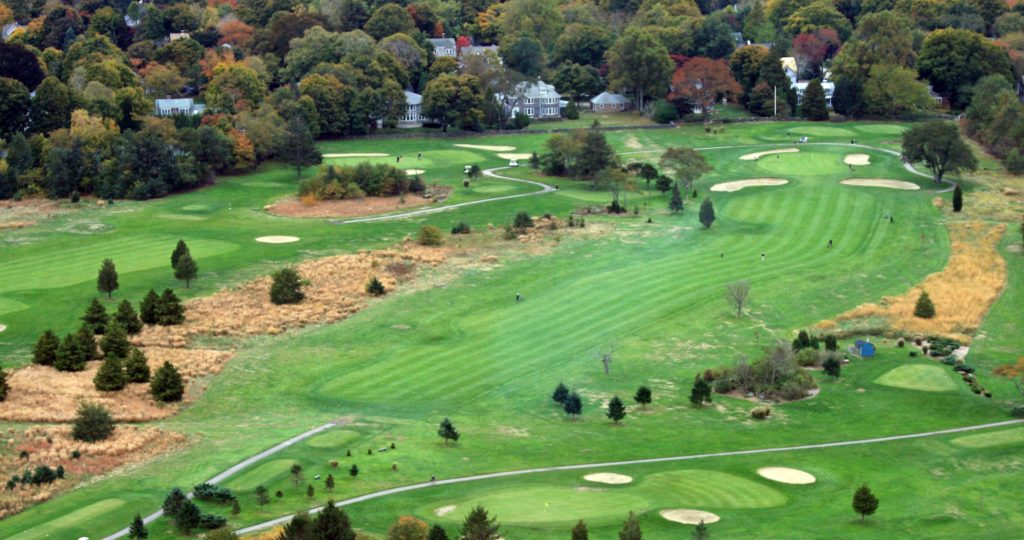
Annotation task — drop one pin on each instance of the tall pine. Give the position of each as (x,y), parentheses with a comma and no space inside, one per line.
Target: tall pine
(149,308)
(813,105)
(96,316)
(106,281)
(675,204)
(127,317)
(180,249)
(616,410)
(187,270)
(298,148)
(137,529)
(707,213)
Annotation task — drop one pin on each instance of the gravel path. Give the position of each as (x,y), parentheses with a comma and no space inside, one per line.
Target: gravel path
(475,478)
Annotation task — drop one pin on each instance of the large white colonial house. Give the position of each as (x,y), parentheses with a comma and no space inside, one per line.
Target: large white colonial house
(413,110)
(539,101)
(179,107)
(790,67)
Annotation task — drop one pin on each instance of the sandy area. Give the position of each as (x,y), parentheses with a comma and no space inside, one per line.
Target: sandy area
(3,327)
(277,239)
(485,147)
(414,172)
(444,510)
(608,478)
(857,159)
(879,182)
(786,475)
(515,156)
(740,184)
(757,155)
(369,154)
(689,517)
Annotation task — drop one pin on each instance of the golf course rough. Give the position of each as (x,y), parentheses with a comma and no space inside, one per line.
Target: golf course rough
(919,377)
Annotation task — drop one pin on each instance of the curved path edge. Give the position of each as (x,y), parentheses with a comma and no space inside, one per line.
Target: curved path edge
(489,476)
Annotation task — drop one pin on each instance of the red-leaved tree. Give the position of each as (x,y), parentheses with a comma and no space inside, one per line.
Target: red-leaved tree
(811,49)
(701,82)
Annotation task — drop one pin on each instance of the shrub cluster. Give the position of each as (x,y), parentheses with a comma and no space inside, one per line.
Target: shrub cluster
(775,375)
(761,412)
(212,493)
(42,475)
(335,182)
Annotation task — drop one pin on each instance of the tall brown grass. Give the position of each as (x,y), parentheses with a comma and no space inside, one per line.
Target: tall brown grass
(962,292)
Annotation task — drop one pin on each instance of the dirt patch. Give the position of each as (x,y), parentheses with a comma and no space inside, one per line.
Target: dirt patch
(632,142)
(786,475)
(277,239)
(740,184)
(608,478)
(293,207)
(857,159)
(689,517)
(758,155)
(880,182)
(8,225)
(515,156)
(51,446)
(962,292)
(27,212)
(366,154)
(444,510)
(486,147)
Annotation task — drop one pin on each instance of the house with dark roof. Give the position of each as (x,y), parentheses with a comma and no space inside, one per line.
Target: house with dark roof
(539,101)
(443,47)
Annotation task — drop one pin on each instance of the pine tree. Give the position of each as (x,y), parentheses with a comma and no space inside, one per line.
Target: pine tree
(298,148)
(375,287)
(262,496)
(115,341)
(137,529)
(188,517)
(332,522)
(286,287)
(173,501)
(128,318)
(560,394)
(329,483)
(299,528)
(136,368)
(631,529)
(924,308)
(437,532)
(111,376)
(643,396)
(353,471)
(87,342)
(572,111)
(701,532)
(5,388)
(69,355)
(573,405)
(180,249)
(832,367)
(447,431)
(166,384)
(236,508)
(479,526)
(864,502)
(812,104)
(170,311)
(701,392)
(616,410)
(309,491)
(958,198)
(92,423)
(707,213)
(579,532)
(149,308)
(186,270)
(106,281)
(675,204)
(96,316)
(45,351)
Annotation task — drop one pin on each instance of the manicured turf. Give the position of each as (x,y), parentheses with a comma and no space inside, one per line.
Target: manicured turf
(77,520)
(471,353)
(547,506)
(925,378)
(995,438)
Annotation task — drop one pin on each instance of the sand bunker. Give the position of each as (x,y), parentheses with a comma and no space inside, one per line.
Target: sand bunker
(740,184)
(515,156)
(786,475)
(444,510)
(879,182)
(3,327)
(485,147)
(857,159)
(414,172)
(369,154)
(608,478)
(689,517)
(757,155)
(277,239)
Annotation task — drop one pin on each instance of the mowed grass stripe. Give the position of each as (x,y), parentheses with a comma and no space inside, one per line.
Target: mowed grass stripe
(712,489)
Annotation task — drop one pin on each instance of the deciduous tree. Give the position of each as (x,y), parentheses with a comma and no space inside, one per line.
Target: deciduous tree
(702,82)
(939,146)
(738,294)
(639,63)
(687,165)
(408,528)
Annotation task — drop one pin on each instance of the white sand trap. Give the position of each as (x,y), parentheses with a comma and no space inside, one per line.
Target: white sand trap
(608,478)
(757,155)
(277,239)
(444,510)
(878,182)
(689,517)
(753,182)
(489,148)
(370,154)
(857,159)
(515,156)
(414,172)
(3,327)
(787,475)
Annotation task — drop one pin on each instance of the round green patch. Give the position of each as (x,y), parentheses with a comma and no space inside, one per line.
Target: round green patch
(712,489)
(995,438)
(919,377)
(546,506)
(817,164)
(265,474)
(331,439)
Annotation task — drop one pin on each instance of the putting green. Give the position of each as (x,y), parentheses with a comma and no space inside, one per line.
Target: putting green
(69,521)
(882,129)
(821,163)
(919,377)
(547,506)
(996,438)
(331,439)
(266,474)
(822,131)
(712,489)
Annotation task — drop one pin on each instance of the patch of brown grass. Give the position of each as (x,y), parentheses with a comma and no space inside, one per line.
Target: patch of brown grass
(962,292)
(53,445)
(1011,370)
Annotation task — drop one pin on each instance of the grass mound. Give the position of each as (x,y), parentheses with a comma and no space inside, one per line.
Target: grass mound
(331,439)
(918,377)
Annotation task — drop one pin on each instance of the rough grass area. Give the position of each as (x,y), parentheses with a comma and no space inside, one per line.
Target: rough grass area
(962,292)
(925,378)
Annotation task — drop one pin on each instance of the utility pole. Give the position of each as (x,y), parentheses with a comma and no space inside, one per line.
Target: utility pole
(775,100)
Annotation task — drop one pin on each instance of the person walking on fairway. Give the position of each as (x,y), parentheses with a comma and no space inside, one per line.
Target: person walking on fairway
(762,257)
(830,243)
(518,297)
(419,155)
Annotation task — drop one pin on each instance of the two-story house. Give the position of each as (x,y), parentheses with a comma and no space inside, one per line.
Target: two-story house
(443,47)
(539,101)
(413,110)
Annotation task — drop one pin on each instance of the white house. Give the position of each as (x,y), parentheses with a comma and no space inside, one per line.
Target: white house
(609,102)
(443,47)
(790,67)
(539,101)
(9,29)
(179,107)
(413,110)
